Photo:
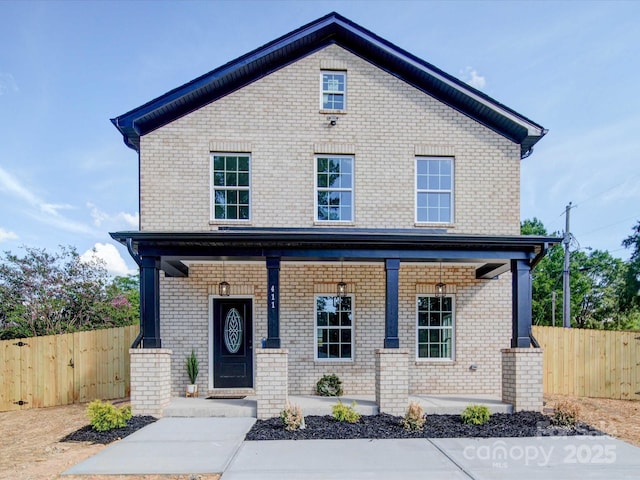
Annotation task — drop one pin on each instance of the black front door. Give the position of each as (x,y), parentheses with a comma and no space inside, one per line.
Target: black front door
(232,343)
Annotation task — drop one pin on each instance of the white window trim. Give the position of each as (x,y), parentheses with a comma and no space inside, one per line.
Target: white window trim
(344,94)
(450,191)
(352,190)
(315,331)
(212,189)
(420,359)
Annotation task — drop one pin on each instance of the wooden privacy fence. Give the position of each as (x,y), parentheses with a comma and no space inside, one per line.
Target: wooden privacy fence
(63,369)
(590,363)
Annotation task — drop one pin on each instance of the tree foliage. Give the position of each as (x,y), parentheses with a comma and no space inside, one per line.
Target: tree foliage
(44,293)
(599,282)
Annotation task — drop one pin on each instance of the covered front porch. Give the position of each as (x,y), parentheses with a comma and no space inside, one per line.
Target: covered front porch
(378,258)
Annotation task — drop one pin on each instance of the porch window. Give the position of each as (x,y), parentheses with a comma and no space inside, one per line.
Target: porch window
(334,328)
(333,90)
(231,190)
(435,329)
(334,189)
(434,190)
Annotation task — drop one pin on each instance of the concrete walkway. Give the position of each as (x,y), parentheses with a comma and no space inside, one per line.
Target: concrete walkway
(214,445)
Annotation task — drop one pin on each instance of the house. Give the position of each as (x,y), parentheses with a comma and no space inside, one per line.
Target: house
(330,203)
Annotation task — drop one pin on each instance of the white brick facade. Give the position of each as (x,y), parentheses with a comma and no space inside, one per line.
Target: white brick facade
(150,380)
(277,119)
(522,378)
(387,124)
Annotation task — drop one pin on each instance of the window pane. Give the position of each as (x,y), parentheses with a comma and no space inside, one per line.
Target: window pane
(244,197)
(323,213)
(334,335)
(333,319)
(423,351)
(345,180)
(219,211)
(323,351)
(334,351)
(422,319)
(243,164)
(323,180)
(434,335)
(218,179)
(244,213)
(322,165)
(220,197)
(232,179)
(334,198)
(423,335)
(347,165)
(345,214)
(334,213)
(445,167)
(345,335)
(218,163)
(345,303)
(232,213)
(232,196)
(243,179)
(321,319)
(232,164)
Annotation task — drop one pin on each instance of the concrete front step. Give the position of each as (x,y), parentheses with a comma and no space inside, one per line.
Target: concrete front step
(315,405)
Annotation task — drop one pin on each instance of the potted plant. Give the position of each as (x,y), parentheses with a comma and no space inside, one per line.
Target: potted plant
(192,371)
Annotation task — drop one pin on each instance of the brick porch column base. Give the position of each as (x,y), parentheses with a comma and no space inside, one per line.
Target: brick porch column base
(392,380)
(150,380)
(522,378)
(272,381)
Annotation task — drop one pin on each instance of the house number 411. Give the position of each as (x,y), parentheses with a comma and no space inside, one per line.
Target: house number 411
(273,296)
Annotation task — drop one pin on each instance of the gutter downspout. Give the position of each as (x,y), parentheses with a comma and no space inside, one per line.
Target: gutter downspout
(138,340)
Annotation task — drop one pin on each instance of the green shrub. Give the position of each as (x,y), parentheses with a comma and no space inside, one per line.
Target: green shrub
(345,413)
(292,417)
(414,419)
(105,416)
(329,386)
(566,413)
(192,367)
(476,415)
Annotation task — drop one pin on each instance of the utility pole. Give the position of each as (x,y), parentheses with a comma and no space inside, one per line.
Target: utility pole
(566,275)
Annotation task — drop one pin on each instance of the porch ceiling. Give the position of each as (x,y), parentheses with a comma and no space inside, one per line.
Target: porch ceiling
(492,254)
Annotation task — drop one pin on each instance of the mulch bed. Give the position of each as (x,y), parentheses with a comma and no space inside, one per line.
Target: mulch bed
(520,424)
(88,434)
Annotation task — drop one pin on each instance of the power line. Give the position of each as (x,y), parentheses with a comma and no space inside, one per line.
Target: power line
(596,195)
(609,225)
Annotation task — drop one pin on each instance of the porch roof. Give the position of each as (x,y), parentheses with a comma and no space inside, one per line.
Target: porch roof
(492,254)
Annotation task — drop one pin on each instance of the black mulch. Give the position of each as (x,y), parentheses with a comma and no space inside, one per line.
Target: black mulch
(88,434)
(520,424)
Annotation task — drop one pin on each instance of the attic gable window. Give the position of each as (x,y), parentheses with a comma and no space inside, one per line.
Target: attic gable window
(333,90)
(231,190)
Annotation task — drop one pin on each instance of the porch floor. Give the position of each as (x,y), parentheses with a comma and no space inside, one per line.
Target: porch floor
(315,405)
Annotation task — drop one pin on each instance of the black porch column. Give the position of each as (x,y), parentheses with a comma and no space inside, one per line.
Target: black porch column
(150,302)
(391,265)
(520,304)
(273,302)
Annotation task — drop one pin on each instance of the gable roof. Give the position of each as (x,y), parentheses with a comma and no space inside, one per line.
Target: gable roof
(330,29)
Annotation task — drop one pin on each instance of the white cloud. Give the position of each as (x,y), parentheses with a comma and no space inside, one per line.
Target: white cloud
(473,78)
(7,235)
(117,220)
(7,83)
(108,253)
(44,212)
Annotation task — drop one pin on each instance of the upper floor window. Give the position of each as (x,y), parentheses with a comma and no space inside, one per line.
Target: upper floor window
(231,186)
(434,190)
(435,327)
(334,90)
(334,189)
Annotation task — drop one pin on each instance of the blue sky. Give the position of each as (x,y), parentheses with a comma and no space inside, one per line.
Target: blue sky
(66,178)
